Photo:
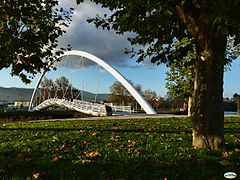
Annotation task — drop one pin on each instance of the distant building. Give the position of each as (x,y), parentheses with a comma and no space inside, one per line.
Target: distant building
(21,104)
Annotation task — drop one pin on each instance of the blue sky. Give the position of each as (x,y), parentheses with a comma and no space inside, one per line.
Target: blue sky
(110,47)
(149,77)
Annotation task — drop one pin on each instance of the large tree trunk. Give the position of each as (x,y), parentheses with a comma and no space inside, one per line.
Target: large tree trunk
(207,106)
(207,114)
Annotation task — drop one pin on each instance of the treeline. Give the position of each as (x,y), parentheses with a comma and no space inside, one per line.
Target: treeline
(119,95)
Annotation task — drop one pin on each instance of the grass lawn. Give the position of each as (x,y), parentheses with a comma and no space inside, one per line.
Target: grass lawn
(113,149)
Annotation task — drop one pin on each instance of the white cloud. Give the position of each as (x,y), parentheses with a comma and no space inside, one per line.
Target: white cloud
(86,37)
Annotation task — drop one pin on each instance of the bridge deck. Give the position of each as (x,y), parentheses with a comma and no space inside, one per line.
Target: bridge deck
(85,107)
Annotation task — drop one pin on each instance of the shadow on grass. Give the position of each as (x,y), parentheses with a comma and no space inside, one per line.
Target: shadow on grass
(178,131)
(17,163)
(113,167)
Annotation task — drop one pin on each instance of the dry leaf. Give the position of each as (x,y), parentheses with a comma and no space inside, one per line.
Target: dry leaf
(92,154)
(132,144)
(225,155)
(138,152)
(237,141)
(36,175)
(66,151)
(63,146)
(56,158)
(81,161)
(115,138)
(95,134)
(87,142)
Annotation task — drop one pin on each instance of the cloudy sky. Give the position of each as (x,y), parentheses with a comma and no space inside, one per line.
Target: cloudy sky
(110,47)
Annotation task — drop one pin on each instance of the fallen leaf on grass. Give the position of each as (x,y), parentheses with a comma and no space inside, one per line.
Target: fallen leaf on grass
(237,141)
(132,143)
(152,129)
(87,142)
(225,155)
(115,138)
(225,163)
(81,161)
(66,151)
(56,158)
(137,152)
(36,175)
(114,128)
(55,138)
(92,154)
(39,175)
(236,150)
(94,134)
(63,146)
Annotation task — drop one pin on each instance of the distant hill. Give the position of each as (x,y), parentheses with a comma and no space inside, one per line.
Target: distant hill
(14,94)
(24,94)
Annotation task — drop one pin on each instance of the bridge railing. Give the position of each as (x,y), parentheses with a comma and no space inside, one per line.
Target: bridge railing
(79,105)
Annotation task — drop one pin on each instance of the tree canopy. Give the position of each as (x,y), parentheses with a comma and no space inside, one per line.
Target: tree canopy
(205,25)
(180,77)
(159,24)
(29,32)
(120,95)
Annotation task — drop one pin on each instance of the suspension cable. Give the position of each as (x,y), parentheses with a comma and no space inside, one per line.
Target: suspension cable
(90,77)
(72,75)
(97,85)
(82,78)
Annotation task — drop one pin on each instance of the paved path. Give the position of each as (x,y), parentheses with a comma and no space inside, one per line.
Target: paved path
(118,117)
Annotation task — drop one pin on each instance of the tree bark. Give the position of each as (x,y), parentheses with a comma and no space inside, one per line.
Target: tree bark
(207,105)
(207,114)
(238,106)
(189,106)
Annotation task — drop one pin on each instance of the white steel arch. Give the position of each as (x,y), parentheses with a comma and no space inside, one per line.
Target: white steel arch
(143,103)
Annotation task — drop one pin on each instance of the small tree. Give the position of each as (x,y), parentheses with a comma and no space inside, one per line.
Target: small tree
(48,88)
(151,97)
(64,87)
(236,97)
(119,94)
(180,78)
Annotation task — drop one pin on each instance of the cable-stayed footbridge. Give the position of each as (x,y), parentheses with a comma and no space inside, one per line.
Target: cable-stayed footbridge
(46,94)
